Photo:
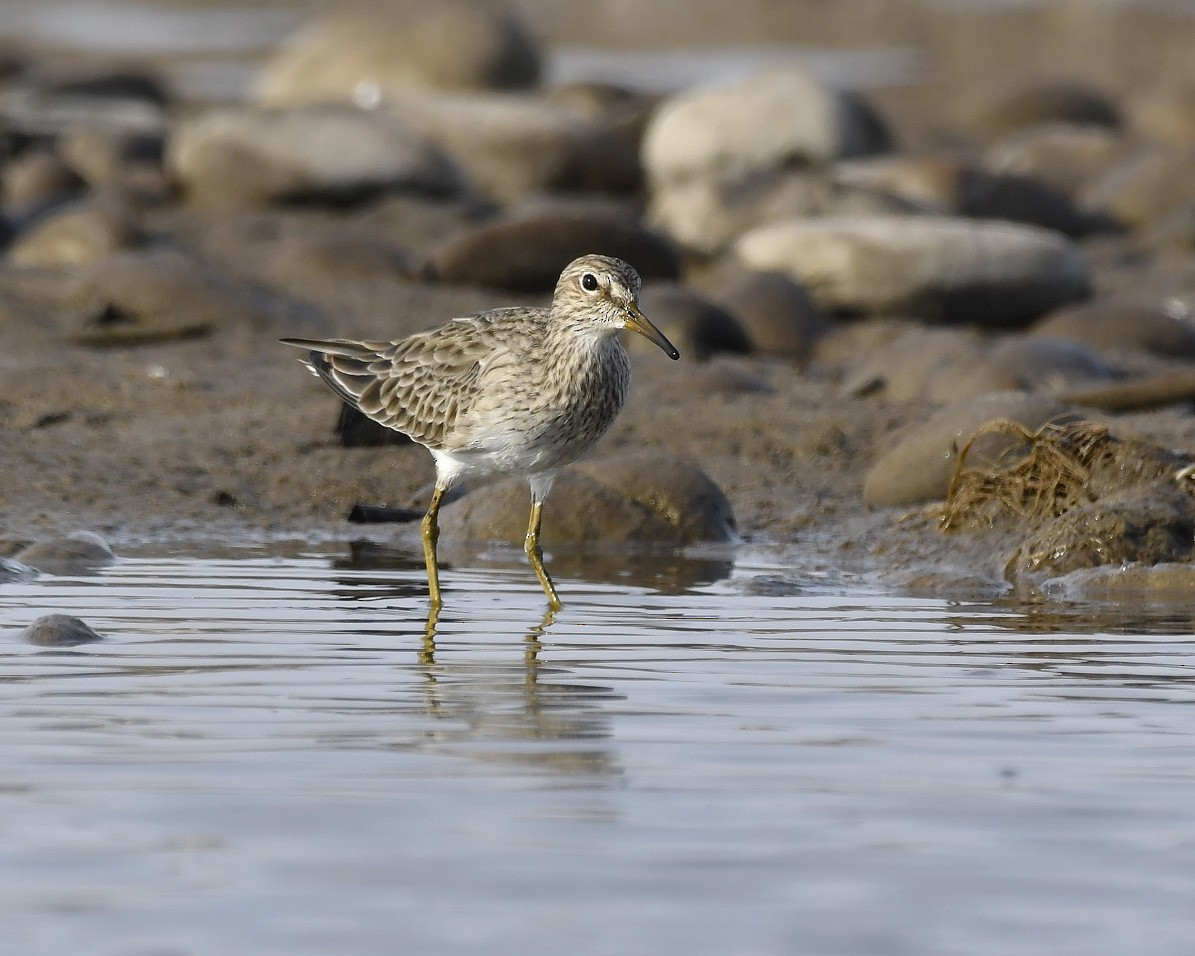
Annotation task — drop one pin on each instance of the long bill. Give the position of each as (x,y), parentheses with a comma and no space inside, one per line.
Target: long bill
(638,322)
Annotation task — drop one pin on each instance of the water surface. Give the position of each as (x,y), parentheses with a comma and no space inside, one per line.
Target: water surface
(267,754)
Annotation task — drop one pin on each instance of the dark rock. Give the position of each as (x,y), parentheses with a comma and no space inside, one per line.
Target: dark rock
(59,630)
(1057,102)
(942,185)
(778,314)
(697,326)
(1068,157)
(1146,525)
(1131,322)
(1050,365)
(382,514)
(527,252)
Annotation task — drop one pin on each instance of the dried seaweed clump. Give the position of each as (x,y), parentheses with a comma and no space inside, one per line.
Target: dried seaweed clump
(1041,475)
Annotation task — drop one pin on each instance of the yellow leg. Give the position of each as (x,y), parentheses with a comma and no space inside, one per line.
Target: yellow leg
(536,556)
(431,534)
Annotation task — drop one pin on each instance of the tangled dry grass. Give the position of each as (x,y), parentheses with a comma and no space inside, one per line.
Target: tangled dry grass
(1043,474)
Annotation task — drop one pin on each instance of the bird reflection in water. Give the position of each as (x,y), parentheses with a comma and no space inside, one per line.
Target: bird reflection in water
(529,716)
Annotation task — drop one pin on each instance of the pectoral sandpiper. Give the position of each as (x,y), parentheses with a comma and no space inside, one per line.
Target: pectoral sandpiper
(517,391)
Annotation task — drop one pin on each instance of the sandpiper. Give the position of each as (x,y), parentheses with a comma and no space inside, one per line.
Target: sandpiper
(517,391)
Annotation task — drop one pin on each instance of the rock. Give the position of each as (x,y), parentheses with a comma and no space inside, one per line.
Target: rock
(778,315)
(100,82)
(1065,155)
(341,256)
(1128,322)
(706,213)
(934,268)
(518,145)
(234,156)
(903,368)
(159,294)
(527,251)
(83,552)
(769,121)
(1145,187)
(47,101)
(947,186)
(59,630)
(1165,387)
(696,325)
(38,177)
(1027,364)
(1126,585)
(77,234)
(722,376)
(13,570)
(920,460)
(103,156)
(1058,102)
(1145,525)
(367,58)
(648,497)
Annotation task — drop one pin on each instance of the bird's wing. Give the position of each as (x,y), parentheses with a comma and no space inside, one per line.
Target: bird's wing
(418,385)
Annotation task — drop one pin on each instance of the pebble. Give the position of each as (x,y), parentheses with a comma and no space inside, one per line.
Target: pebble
(59,630)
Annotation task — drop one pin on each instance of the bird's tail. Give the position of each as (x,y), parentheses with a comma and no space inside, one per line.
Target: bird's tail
(347,367)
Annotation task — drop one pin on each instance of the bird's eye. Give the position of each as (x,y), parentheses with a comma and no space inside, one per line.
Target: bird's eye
(589,282)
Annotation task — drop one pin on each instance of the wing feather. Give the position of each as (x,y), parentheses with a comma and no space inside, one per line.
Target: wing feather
(419,385)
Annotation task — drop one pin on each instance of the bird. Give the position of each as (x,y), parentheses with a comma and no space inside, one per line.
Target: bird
(509,391)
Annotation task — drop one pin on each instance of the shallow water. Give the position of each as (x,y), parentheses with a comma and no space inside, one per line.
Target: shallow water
(266,754)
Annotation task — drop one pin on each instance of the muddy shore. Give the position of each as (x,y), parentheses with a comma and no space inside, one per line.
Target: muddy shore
(154,256)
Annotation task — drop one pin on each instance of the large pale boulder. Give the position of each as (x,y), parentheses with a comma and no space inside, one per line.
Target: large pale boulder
(768,121)
(232,156)
(366,57)
(938,269)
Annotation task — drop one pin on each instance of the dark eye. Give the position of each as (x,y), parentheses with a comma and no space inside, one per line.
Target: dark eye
(589,282)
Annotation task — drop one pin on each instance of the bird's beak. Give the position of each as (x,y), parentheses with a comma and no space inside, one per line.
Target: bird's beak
(638,322)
